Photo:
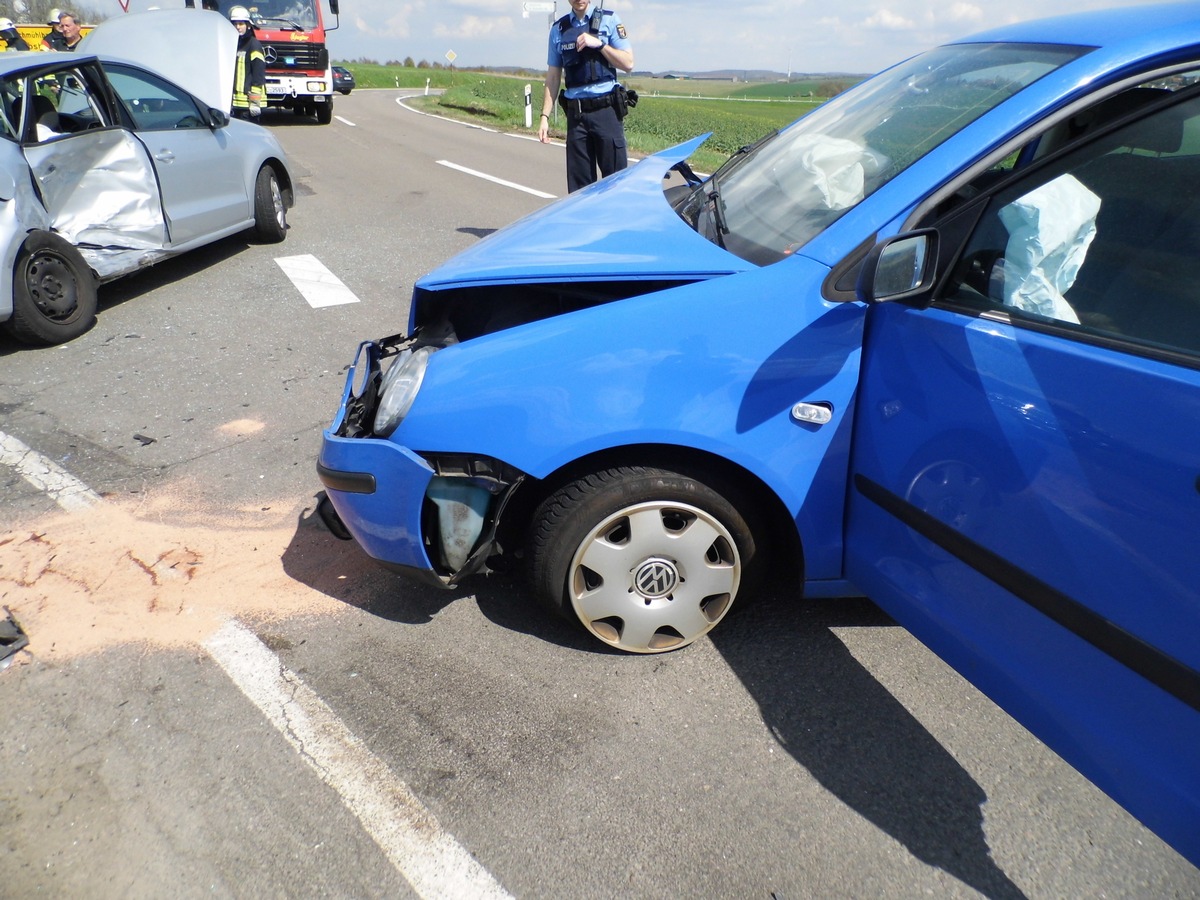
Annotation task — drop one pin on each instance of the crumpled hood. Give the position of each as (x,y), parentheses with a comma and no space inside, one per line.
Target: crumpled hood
(619,228)
(192,47)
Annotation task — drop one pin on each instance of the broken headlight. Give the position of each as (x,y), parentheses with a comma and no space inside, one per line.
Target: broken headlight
(400,387)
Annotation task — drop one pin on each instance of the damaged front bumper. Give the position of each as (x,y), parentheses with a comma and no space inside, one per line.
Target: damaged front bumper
(432,516)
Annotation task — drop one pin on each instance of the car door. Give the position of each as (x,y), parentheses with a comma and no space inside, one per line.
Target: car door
(1025,485)
(95,181)
(199,170)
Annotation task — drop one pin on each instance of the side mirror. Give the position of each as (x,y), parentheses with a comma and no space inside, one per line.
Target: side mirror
(900,268)
(217,118)
(333,6)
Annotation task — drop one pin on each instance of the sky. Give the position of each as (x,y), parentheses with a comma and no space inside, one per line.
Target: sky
(801,36)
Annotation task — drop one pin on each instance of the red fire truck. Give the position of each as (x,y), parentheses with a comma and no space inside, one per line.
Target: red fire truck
(292,33)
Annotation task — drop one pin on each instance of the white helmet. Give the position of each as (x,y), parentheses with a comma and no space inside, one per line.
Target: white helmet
(239,14)
(7,25)
(52,19)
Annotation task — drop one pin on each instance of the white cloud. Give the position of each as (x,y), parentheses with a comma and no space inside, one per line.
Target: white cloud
(886,20)
(476,27)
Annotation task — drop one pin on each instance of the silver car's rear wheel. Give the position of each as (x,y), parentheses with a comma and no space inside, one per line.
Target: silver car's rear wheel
(645,559)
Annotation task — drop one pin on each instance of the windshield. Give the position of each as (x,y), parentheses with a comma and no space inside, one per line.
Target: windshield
(769,201)
(276,14)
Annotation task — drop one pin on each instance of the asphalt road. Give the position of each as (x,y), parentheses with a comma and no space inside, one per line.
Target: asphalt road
(219,699)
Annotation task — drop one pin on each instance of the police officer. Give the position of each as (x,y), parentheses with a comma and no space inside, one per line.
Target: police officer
(587,47)
(250,69)
(12,37)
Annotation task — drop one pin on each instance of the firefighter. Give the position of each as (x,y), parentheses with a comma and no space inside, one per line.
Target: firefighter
(250,70)
(54,39)
(12,39)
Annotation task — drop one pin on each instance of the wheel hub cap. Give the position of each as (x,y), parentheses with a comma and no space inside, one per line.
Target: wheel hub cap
(655,578)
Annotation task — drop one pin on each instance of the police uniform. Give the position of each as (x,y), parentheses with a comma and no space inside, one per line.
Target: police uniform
(595,135)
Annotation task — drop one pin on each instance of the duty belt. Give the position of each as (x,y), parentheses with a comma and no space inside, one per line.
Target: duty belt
(581,105)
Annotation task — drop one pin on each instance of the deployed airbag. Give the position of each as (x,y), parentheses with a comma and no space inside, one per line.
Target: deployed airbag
(1049,232)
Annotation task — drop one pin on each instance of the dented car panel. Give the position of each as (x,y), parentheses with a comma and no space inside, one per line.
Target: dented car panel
(620,228)
(99,192)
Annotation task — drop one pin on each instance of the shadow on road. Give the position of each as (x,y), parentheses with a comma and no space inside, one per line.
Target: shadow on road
(822,705)
(132,286)
(476,232)
(857,740)
(340,570)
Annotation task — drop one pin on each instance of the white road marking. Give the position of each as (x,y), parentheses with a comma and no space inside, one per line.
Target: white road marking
(493,178)
(534,138)
(345,121)
(432,861)
(64,488)
(319,286)
(400,102)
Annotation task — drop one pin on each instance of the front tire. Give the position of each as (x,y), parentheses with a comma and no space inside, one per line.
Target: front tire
(646,559)
(54,292)
(325,112)
(270,212)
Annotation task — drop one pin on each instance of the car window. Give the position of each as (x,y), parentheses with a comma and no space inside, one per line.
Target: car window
(10,108)
(782,192)
(1102,240)
(152,103)
(60,103)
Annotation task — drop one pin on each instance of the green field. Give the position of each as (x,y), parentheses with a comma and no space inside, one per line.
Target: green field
(670,110)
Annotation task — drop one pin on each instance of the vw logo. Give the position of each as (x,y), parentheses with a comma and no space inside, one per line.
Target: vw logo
(655,578)
(270,54)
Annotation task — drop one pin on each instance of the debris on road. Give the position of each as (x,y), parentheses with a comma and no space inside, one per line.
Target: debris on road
(12,639)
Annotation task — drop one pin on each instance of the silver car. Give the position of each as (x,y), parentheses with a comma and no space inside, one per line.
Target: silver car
(120,155)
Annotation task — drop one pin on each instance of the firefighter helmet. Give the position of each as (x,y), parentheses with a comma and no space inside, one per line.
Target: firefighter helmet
(52,19)
(239,14)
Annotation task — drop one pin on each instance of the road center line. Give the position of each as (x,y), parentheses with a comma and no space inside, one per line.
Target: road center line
(63,488)
(317,284)
(432,861)
(492,178)
(345,121)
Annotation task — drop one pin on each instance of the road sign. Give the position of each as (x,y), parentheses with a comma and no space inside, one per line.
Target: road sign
(451,56)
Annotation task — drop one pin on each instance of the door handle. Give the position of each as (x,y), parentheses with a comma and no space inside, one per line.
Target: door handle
(165,156)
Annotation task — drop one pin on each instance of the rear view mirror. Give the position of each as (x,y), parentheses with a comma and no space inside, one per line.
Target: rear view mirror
(217,118)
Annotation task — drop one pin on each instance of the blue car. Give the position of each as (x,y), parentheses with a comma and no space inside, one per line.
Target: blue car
(934,343)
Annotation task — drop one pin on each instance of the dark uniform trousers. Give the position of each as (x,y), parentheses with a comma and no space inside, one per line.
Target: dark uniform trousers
(594,138)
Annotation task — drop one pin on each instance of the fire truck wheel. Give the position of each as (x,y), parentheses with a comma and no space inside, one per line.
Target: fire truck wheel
(325,112)
(270,213)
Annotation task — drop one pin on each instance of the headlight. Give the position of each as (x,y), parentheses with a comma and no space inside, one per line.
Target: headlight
(399,390)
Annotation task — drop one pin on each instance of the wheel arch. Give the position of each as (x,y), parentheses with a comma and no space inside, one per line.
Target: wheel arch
(775,527)
(284,178)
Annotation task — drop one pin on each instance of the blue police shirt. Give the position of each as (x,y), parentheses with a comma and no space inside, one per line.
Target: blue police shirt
(611,32)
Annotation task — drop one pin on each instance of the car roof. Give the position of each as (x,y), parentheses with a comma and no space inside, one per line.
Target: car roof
(1167,25)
